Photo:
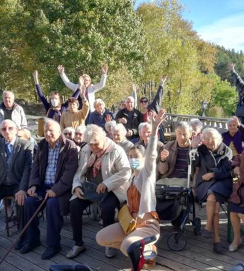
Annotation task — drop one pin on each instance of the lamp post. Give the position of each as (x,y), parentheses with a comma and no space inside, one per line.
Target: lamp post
(204,107)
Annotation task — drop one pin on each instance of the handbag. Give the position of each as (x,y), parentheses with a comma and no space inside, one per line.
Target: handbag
(89,190)
(126,220)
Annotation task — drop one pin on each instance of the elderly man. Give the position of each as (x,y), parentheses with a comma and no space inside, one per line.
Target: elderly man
(11,110)
(15,160)
(130,117)
(51,177)
(79,136)
(104,165)
(119,137)
(101,114)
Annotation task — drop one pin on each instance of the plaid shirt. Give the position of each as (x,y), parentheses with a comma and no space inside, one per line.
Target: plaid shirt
(52,164)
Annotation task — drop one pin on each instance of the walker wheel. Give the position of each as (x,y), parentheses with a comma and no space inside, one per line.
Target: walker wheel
(176,241)
(197,225)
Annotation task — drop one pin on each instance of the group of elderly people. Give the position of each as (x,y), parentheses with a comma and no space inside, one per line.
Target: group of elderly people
(121,169)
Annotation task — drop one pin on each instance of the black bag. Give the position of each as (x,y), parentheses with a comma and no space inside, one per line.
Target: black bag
(89,190)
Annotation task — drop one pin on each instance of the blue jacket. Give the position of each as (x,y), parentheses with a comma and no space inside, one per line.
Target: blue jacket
(99,120)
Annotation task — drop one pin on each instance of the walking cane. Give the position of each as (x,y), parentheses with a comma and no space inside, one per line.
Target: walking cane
(24,229)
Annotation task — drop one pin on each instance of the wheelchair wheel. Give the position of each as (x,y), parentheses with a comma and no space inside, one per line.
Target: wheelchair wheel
(176,241)
(197,225)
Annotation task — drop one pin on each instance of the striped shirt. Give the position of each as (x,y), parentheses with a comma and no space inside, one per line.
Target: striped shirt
(181,165)
(52,164)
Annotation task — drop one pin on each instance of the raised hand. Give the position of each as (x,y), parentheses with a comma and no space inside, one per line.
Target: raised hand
(60,69)
(157,120)
(163,80)
(35,77)
(237,121)
(232,66)
(105,69)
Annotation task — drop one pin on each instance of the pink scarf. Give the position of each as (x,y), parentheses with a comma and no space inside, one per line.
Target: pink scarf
(95,160)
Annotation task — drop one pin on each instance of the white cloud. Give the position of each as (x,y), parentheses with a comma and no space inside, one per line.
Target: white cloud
(227,32)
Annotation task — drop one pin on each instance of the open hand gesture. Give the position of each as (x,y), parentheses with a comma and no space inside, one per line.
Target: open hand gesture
(232,66)
(60,69)
(105,69)
(236,120)
(35,77)
(163,80)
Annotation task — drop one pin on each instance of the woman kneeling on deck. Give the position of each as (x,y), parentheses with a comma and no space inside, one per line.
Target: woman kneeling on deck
(141,198)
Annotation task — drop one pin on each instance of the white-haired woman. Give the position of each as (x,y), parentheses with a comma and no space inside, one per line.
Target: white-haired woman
(213,180)
(101,115)
(108,127)
(69,133)
(79,136)
(196,137)
(104,164)
(119,136)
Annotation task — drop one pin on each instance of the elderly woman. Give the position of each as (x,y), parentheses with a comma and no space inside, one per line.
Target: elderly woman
(105,164)
(79,136)
(101,114)
(141,198)
(213,180)
(235,136)
(196,138)
(119,136)
(108,127)
(173,165)
(54,107)
(236,205)
(69,133)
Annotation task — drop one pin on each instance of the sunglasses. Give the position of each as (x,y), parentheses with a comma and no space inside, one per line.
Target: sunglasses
(4,129)
(144,101)
(69,134)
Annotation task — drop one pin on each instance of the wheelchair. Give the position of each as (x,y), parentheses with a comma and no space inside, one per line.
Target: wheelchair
(177,204)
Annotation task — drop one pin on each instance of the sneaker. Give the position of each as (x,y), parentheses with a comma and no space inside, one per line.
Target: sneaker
(109,252)
(75,251)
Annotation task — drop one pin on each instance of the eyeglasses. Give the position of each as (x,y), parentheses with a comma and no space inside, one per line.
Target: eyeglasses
(144,101)
(4,129)
(80,134)
(69,134)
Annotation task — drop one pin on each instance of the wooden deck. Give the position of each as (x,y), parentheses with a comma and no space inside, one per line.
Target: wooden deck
(197,255)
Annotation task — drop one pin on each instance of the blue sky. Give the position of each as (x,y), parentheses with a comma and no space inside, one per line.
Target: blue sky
(218,21)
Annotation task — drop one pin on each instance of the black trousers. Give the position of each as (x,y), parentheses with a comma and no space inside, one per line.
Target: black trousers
(77,207)
(11,190)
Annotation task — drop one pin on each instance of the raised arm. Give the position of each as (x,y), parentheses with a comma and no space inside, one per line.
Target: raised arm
(40,92)
(66,80)
(237,79)
(101,84)
(155,105)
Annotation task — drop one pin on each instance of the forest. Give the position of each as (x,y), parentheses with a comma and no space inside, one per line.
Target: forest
(139,46)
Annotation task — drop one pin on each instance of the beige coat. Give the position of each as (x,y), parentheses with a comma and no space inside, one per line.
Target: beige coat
(115,168)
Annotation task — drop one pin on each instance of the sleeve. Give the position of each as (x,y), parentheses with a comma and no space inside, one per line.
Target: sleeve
(241,129)
(238,82)
(76,95)
(23,118)
(67,82)
(62,126)
(155,105)
(27,166)
(223,170)
(64,184)
(122,173)
(85,109)
(100,85)
(42,97)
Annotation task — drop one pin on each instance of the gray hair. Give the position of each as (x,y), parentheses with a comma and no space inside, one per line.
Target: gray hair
(212,133)
(110,124)
(130,97)
(119,127)
(6,91)
(69,130)
(99,101)
(81,129)
(230,120)
(93,134)
(196,122)
(142,125)
(185,126)
(48,121)
(8,120)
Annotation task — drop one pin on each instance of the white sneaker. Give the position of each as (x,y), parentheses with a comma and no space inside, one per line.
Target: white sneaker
(76,250)
(109,252)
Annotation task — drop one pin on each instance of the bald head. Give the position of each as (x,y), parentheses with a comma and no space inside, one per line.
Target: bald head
(8,99)
(129,103)
(52,131)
